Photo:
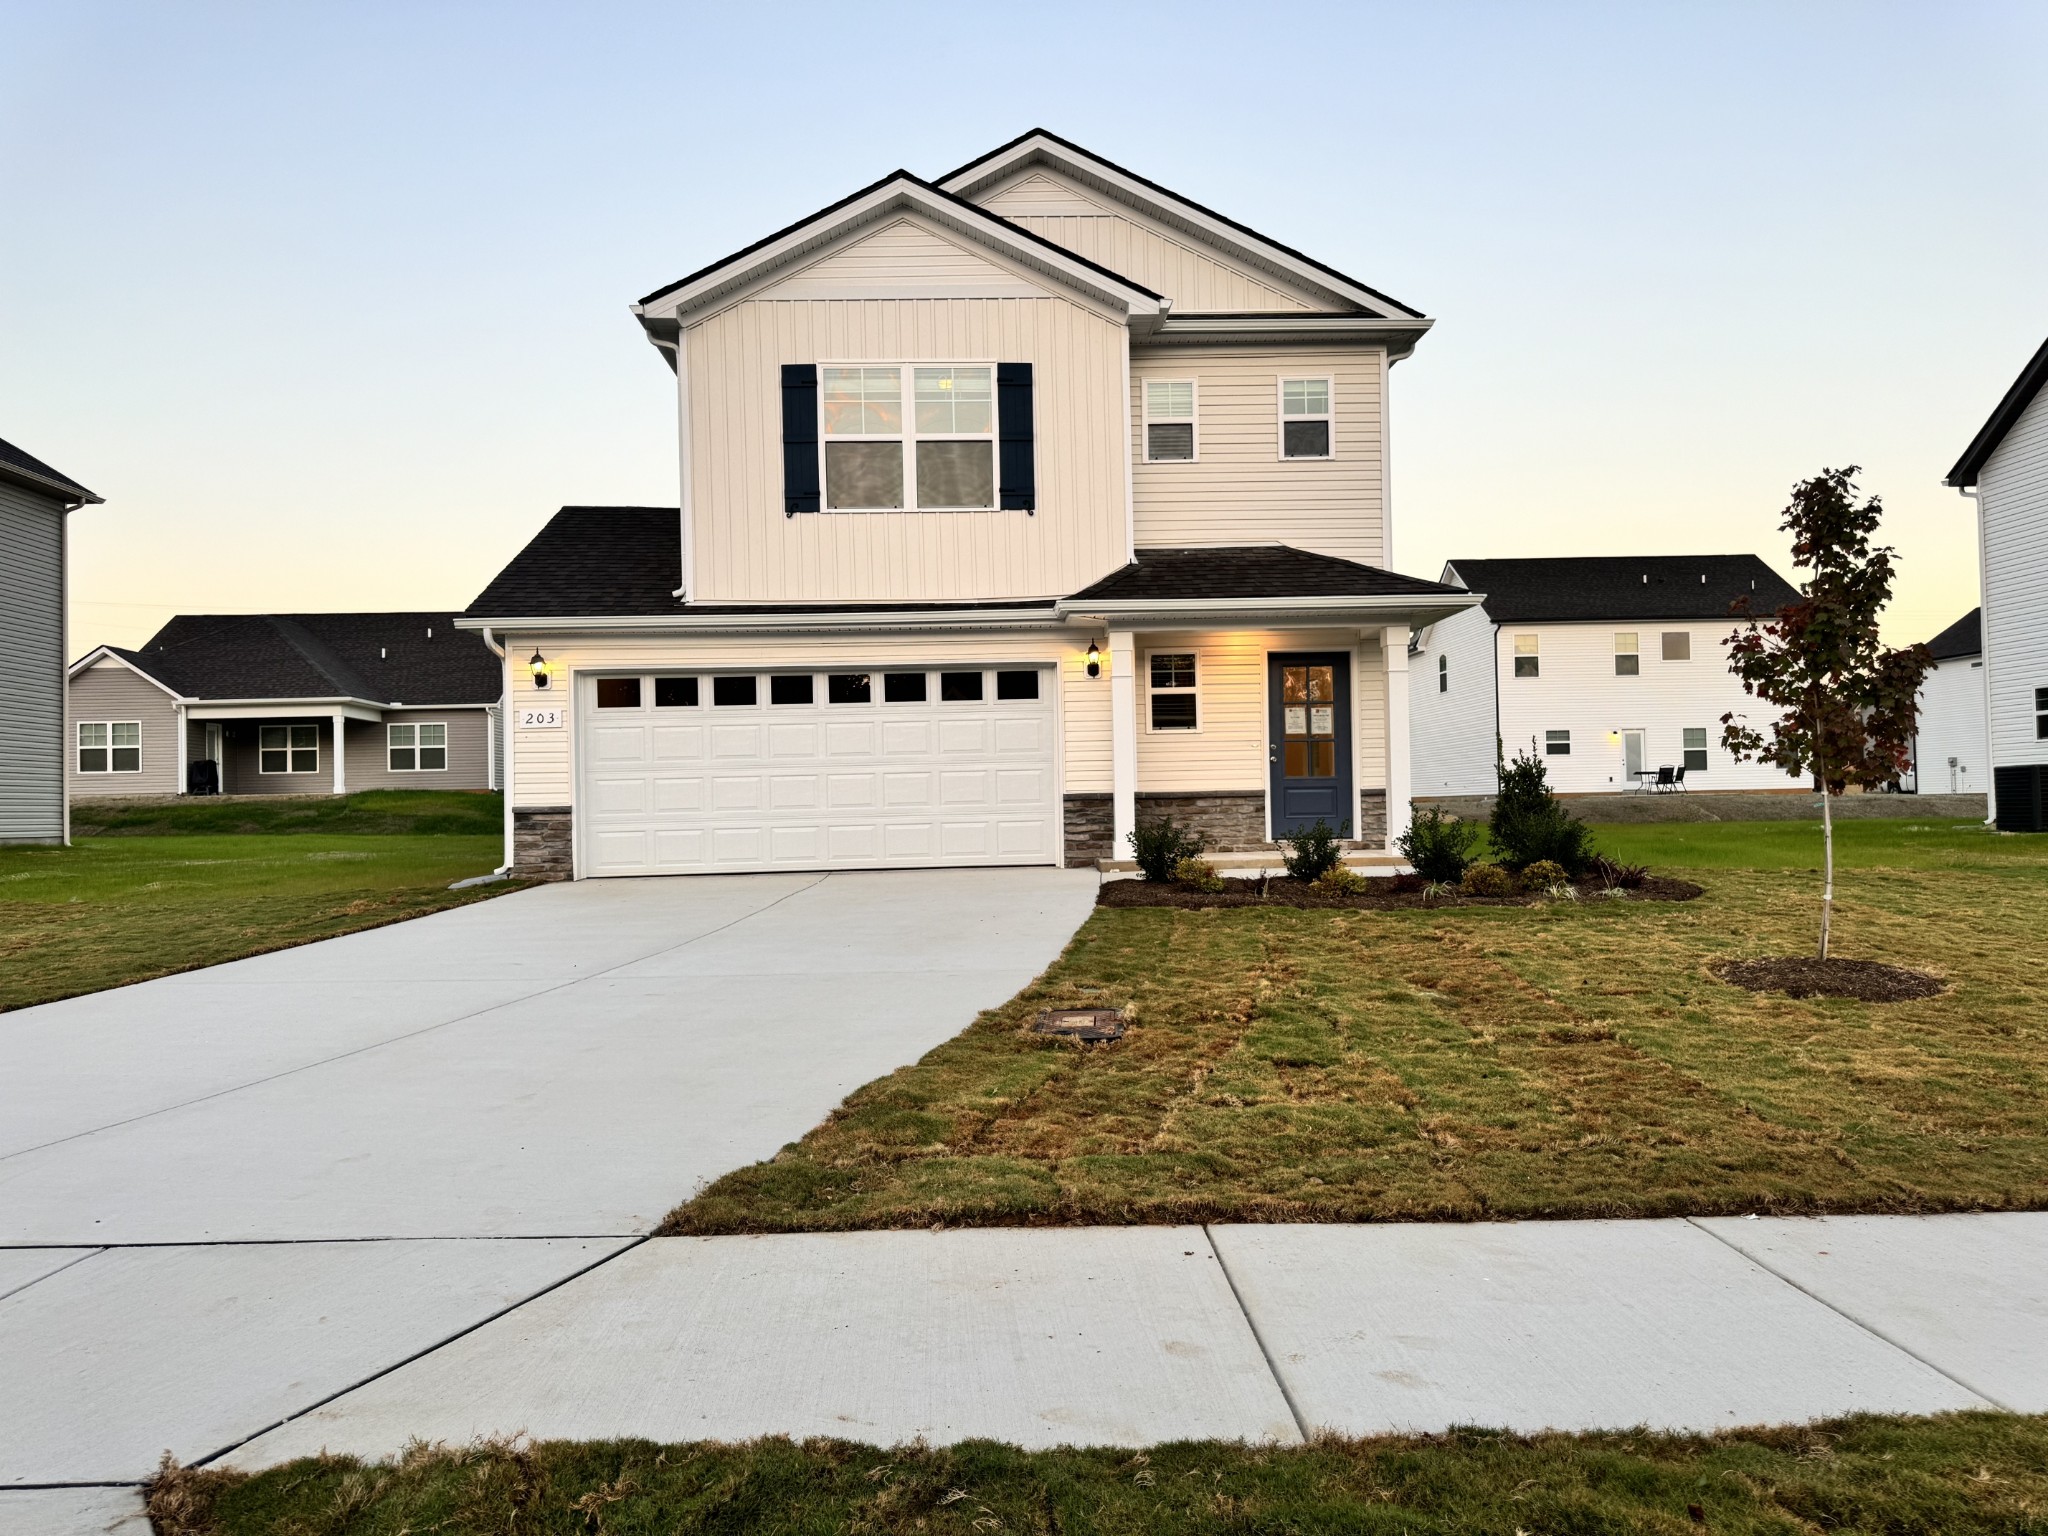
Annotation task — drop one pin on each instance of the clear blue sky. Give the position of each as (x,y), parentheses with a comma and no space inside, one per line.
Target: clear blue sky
(329,301)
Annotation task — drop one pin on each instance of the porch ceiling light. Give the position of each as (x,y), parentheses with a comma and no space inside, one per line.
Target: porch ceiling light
(1094,659)
(539,667)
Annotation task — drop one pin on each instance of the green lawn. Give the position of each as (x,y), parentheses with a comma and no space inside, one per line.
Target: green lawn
(1958,1474)
(191,891)
(1568,1059)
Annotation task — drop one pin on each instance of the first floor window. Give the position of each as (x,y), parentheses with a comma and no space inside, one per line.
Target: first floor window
(2041,714)
(1628,656)
(1169,420)
(1305,419)
(288,749)
(1172,691)
(1557,743)
(1443,674)
(1677,645)
(110,746)
(934,450)
(1695,749)
(1527,662)
(417,748)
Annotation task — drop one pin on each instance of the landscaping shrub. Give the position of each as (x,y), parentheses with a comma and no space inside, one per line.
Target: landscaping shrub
(1617,876)
(1529,824)
(1160,846)
(1439,846)
(1313,850)
(1484,879)
(1544,875)
(1197,874)
(1339,881)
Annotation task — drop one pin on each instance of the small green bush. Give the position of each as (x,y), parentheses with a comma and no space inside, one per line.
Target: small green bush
(1159,846)
(1438,846)
(1314,849)
(1544,875)
(1485,879)
(1198,875)
(1530,825)
(1339,881)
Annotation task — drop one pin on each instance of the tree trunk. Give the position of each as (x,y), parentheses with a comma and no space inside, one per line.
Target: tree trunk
(1827,890)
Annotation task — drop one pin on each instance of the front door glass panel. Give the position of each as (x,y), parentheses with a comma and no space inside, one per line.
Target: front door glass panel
(1308,696)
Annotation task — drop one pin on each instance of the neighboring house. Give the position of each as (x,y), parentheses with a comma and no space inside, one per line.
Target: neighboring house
(35,503)
(1612,666)
(1948,741)
(2006,469)
(1016,506)
(264,698)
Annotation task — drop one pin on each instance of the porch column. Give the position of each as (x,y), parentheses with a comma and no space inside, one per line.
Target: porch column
(340,754)
(1394,651)
(178,731)
(1123,741)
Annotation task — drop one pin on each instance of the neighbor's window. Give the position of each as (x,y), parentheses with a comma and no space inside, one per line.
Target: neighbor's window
(1443,674)
(1172,690)
(417,748)
(1695,749)
(618,693)
(935,452)
(1169,420)
(110,746)
(1305,424)
(1527,663)
(1557,743)
(1677,645)
(2041,714)
(1628,656)
(288,749)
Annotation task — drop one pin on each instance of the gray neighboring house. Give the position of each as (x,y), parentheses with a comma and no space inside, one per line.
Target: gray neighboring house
(413,700)
(35,501)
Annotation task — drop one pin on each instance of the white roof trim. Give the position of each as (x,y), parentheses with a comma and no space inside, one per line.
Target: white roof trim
(1280,612)
(777,623)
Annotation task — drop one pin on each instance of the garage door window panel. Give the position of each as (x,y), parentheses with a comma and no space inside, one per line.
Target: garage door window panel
(1017,685)
(904,688)
(618,693)
(790,688)
(734,692)
(675,693)
(960,687)
(849,688)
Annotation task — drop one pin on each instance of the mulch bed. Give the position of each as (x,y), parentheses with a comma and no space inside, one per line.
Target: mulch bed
(1804,976)
(1389,893)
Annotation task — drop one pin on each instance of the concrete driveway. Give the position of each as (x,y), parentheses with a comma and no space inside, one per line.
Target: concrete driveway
(229,1195)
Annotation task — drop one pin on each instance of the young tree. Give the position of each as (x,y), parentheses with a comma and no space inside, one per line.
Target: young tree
(1846,703)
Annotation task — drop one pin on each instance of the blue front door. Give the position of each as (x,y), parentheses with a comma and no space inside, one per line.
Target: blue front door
(1309,699)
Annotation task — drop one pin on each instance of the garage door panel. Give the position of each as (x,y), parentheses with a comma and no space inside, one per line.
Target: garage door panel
(963,839)
(731,741)
(619,744)
(847,841)
(906,738)
(678,744)
(621,796)
(736,792)
(907,788)
(959,787)
(793,791)
(1020,786)
(1021,837)
(964,737)
(679,847)
(1022,737)
(738,845)
(909,840)
(679,794)
(851,791)
(787,741)
(851,738)
(788,845)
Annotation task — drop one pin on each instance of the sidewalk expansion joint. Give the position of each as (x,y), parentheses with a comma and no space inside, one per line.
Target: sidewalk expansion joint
(39,1279)
(1272,1366)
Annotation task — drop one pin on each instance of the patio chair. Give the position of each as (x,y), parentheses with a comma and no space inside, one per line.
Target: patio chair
(1663,781)
(1678,778)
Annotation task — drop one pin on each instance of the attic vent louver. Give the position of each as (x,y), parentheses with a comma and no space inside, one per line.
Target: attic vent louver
(380,653)
(430,628)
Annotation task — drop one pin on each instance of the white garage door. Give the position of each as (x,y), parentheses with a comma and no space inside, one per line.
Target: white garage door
(698,772)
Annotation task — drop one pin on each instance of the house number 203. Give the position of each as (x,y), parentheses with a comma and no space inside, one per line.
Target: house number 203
(540,719)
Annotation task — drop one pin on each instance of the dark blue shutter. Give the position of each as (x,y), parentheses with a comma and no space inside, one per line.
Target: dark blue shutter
(799,438)
(1017,476)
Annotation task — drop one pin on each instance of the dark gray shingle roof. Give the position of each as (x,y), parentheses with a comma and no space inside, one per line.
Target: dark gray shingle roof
(388,658)
(27,469)
(1255,570)
(592,562)
(1562,589)
(1965,637)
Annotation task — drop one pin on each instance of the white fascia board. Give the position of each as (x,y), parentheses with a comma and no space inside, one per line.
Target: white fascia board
(1268,612)
(106,653)
(1172,209)
(987,229)
(772,623)
(1398,335)
(257,709)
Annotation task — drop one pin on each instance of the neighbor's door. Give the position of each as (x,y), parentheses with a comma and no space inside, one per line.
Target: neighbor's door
(1632,756)
(1309,698)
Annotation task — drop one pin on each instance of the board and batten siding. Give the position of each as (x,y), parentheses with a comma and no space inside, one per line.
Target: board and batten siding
(110,691)
(32,747)
(1141,248)
(2012,491)
(1238,489)
(1451,732)
(369,757)
(746,550)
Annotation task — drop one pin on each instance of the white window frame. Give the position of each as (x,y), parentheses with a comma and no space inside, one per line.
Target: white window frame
(78,746)
(1534,653)
(1194,419)
(1557,743)
(1635,651)
(1281,418)
(287,770)
(1443,674)
(1705,748)
(2040,710)
(1192,690)
(909,437)
(416,747)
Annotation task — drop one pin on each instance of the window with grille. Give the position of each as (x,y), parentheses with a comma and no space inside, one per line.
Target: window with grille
(1628,658)
(1306,424)
(288,749)
(417,747)
(1169,421)
(1557,743)
(1527,662)
(109,746)
(1170,688)
(1695,749)
(899,436)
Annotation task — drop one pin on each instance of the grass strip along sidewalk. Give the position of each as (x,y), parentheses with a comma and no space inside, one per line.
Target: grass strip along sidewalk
(1958,1474)
(1562,1060)
(150,889)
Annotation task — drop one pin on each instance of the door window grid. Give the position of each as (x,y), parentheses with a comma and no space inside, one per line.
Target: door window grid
(1307,427)
(934,452)
(1170,424)
(1172,703)
(110,746)
(288,749)
(1308,707)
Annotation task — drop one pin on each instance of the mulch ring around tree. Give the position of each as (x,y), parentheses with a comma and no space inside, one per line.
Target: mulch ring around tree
(1389,893)
(1804,976)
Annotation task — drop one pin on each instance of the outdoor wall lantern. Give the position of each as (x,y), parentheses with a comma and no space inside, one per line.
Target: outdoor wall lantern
(539,667)
(1094,659)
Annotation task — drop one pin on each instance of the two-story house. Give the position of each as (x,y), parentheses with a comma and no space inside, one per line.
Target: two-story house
(1611,667)
(2006,469)
(1948,732)
(1017,506)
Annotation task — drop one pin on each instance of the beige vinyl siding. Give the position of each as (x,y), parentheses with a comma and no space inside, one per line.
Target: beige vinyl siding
(1140,248)
(32,747)
(110,691)
(542,768)
(1239,490)
(747,550)
(369,761)
(2013,496)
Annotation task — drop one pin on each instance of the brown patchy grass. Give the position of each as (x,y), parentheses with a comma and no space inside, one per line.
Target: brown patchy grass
(1570,1060)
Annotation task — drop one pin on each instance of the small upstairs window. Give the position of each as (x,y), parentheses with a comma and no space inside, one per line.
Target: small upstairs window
(1628,656)
(1677,645)
(2040,713)
(1527,662)
(1169,421)
(1443,674)
(1306,424)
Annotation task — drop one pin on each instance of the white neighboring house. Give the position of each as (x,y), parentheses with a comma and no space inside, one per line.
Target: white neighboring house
(1948,746)
(2006,469)
(1612,666)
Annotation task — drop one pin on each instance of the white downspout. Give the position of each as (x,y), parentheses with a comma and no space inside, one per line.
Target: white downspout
(505,710)
(1984,644)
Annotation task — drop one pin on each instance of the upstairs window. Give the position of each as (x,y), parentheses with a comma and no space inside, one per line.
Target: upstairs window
(1557,743)
(110,746)
(1172,691)
(1695,749)
(909,436)
(1628,656)
(1677,645)
(1527,663)
(1443,674)
(2040,713)
(1169,420)
(1305,420)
